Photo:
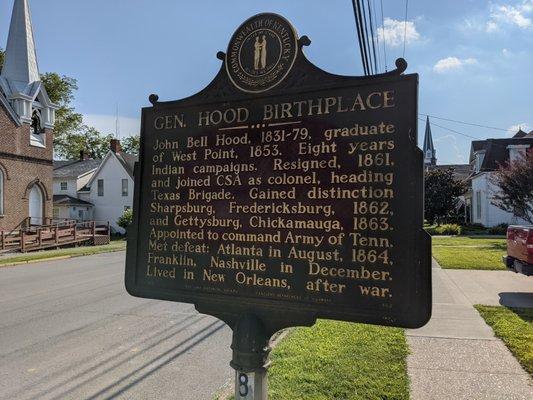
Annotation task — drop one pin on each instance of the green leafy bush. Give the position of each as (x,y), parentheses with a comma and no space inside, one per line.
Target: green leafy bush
(446,229)
(474,229)
(500,229)
(125,219)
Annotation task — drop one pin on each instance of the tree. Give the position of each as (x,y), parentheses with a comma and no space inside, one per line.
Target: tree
(441,194)
(514,181)
(86,138)
(131,144)
(1,58)
(61,90)
(125,219)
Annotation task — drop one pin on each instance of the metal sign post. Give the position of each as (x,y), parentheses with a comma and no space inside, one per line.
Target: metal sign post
(250,355)
(251,386)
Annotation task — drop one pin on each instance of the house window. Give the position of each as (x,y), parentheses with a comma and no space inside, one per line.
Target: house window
(100,187)
(478,205)
(55,213)
(517,152)
(37,130)
(124,187)
(479,161)
(1,192)
(64,185)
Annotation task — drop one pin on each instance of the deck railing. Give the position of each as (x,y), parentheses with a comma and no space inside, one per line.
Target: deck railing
(67,232)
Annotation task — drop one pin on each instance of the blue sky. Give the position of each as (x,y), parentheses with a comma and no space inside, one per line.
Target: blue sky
(475,58)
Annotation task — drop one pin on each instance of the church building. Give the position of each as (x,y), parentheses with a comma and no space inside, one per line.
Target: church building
(461,172)
(26,130)
(430,154)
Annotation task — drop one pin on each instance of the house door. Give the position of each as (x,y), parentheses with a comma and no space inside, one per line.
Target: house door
(36,206)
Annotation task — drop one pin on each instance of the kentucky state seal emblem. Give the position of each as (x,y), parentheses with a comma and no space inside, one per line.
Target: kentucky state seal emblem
(261,53)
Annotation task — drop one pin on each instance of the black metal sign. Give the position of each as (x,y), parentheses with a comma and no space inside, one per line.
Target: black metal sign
(284,191)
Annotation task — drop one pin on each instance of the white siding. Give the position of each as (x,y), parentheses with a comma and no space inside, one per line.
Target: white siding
(64,212)
(490,214)
(72,189)
(110,206)
(73,212)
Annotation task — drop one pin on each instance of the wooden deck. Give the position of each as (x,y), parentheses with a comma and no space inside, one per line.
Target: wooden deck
(68,233)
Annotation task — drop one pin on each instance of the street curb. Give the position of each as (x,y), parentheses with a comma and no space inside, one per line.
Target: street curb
(226,391)
(14,264)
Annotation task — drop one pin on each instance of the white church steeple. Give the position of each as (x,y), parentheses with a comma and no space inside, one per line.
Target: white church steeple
(20,64)
(20,80)
(430,154)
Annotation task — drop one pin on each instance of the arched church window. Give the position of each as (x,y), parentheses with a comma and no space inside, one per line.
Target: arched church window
(37,130)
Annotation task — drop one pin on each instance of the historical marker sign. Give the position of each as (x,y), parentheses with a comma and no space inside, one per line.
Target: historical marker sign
(284,191)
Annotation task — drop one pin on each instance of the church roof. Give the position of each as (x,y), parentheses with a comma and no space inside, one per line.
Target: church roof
(428,137)
(10,111)
(20,66)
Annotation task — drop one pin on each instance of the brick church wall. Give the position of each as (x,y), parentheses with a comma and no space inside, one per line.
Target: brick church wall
(23,165)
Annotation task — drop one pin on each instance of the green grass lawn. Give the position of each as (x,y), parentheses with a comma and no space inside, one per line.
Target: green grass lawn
(469,252)
(116,245)
(337,360)
(515,327)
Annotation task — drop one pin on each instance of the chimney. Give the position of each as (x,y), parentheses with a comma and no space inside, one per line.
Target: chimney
(115,146)
(84,155)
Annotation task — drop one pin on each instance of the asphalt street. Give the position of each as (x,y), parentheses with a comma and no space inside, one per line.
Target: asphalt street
(69,330)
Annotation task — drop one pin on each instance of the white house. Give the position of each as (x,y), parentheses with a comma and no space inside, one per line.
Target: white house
(69,178)
(110,188)
(485,157)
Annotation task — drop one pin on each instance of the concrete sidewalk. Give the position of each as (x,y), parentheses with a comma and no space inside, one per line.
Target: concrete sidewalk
(456,355)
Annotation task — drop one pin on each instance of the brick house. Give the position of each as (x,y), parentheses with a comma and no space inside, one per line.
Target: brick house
(26,129)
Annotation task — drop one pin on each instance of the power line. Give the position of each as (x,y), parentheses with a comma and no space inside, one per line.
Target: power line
(451,130)
(367,44)
(492,142)
(372,33)
(465,123)
(380,61)
(357,11)
(384,37)
(405,27)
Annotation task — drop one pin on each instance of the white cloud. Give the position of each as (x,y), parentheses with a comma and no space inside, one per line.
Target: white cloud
(515,128)
(452,63)
(393,31)
(492,26)
(106,124)
(510,15)
(459,156)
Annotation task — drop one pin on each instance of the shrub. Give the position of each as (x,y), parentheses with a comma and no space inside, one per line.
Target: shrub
(446,229)
(474,229)
(125,219)
(500,229)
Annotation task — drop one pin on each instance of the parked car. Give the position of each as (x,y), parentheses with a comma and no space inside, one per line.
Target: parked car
(519,249)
